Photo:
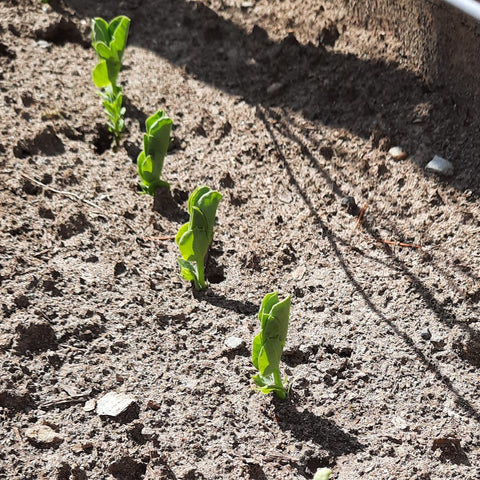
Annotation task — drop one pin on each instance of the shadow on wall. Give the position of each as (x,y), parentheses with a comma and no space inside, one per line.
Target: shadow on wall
(369,98)
(439,40)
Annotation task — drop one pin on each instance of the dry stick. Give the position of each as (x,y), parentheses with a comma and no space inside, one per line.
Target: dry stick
(61,192)
(360,216)
(398,244)
(160,239)
(386,242)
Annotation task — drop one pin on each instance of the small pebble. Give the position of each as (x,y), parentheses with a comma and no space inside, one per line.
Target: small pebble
(285,196)
(349,204)
(274,88)
(43,44)
(426,334)
(397,153)
(90,405)
(234,343)
(439,165)
(149,433)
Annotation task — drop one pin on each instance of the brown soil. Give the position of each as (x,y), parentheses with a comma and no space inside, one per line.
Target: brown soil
(286,120)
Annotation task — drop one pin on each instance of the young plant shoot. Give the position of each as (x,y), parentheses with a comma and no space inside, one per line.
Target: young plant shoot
(268,344)
(109,41)
(155,146)
(194,238)
(322,474)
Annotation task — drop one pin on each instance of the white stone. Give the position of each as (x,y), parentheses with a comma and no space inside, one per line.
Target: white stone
(43,435)
(113,404)
(234,342)
(90,405)
(397,153)
(440,165)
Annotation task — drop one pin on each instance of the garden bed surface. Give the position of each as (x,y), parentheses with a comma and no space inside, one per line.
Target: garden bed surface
(288,110)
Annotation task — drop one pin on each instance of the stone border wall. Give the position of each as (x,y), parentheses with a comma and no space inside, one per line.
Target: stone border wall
(440,42)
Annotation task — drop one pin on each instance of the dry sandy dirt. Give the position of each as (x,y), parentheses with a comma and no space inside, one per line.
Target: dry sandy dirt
(287,109)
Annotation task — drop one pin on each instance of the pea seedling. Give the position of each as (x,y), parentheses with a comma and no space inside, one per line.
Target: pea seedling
(109,41)
(155,146)
(194,237)
(322,474)
(268,345)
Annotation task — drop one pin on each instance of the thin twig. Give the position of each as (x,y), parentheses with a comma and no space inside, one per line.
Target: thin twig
(17,434)
(65,401)
(160,239)
(398,244)
(62,192)
(360,216)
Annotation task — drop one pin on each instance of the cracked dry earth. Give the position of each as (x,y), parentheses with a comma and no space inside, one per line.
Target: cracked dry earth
(288,110)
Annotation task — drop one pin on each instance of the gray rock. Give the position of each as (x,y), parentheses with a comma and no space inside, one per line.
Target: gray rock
(439,165)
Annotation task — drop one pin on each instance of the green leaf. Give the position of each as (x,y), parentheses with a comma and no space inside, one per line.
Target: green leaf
(208,203)
(181,232)
(195,196)
(266,385)
(257,346)
(109,41)
(154,119)
(103,51)
(186,245)
(100,31)
(322,474)
(268,302)
(155,144)
(159,140)
(145,168)
(118,30)
(100,75)
(187,270)
(277,325)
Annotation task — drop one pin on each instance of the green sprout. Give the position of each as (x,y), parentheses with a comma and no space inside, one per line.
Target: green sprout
(194,238)
(155,146)
(109,41)
(322,474)
(268,344)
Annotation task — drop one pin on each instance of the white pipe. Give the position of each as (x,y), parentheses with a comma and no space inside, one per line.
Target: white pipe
(470,7)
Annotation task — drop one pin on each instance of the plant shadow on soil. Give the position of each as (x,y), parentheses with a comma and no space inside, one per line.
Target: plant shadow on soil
(221,301)
(367,97)
(342,95)
(439,311)
(306,426)
(347,92)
